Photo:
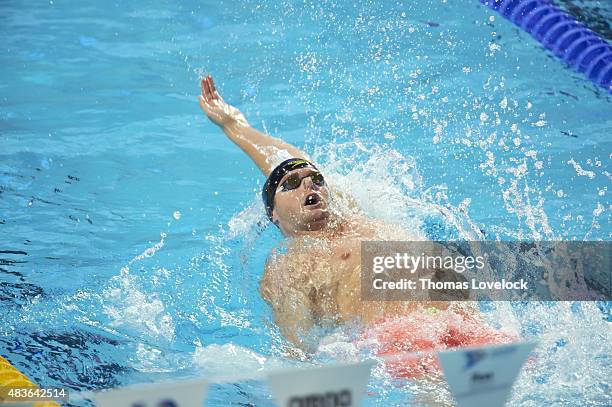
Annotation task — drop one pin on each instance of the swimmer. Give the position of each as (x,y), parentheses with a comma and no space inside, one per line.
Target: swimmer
(315,283)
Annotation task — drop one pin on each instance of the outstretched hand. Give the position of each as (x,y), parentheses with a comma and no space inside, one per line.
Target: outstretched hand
(216,109)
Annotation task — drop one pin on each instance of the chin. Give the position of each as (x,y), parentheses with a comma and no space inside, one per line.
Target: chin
(316,221)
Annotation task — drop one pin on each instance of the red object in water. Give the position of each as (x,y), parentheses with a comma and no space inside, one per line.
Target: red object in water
(423,331)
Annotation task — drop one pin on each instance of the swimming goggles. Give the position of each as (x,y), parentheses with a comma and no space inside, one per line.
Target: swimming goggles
(295,180)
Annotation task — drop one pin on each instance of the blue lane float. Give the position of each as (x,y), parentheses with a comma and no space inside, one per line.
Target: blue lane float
(571,41)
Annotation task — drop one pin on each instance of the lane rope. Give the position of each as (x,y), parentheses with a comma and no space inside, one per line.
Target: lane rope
(571,41)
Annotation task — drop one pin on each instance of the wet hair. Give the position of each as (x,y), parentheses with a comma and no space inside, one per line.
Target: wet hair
(269,189)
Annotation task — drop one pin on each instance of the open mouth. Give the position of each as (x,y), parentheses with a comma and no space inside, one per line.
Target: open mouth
(312,199)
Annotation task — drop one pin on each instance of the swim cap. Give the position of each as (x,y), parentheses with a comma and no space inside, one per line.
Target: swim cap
(269,188)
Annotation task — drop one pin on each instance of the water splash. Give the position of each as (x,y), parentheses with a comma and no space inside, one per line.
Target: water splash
(131,307)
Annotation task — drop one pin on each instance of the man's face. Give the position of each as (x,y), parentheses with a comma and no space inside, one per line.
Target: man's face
(303,208)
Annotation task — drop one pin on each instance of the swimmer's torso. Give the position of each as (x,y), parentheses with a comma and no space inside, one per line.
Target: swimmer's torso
(321,278)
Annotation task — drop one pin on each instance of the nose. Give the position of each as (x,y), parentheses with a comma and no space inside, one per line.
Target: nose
(308,184)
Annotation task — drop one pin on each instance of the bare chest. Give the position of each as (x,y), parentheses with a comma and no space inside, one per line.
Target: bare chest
(327,263)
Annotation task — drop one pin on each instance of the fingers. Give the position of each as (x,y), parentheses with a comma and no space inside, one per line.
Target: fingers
(210,96)
(206,90)
(213,89)
(209,91)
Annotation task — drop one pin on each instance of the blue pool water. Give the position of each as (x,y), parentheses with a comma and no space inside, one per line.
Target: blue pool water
(133,238)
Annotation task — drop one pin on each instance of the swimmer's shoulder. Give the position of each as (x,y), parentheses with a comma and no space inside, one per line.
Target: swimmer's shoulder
(274,262)
(288,261)
(282,254)
(279,261)
(268,288)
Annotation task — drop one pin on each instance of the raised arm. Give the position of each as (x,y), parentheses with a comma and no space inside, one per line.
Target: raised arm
(265,151)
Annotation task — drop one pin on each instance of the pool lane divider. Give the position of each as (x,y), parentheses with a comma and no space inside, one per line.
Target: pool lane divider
(10,377)
(481,375)
(571,41)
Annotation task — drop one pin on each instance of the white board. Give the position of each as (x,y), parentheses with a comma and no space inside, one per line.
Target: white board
(483,376)
(337,385)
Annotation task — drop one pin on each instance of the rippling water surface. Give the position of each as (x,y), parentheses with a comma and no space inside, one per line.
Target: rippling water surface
(133,238)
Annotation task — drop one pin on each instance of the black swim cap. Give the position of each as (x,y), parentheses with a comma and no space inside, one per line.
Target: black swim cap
(269,188)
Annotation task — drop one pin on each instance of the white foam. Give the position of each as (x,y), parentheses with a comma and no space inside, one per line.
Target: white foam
(230,359)
(130,307)
(133,309)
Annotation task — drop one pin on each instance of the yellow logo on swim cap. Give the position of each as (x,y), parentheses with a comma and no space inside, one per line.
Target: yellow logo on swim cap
(298,162)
